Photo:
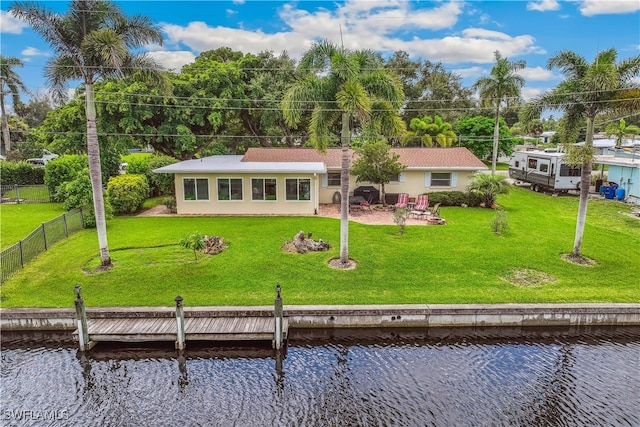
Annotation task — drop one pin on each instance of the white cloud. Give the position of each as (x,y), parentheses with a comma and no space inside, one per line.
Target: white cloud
(11,25)
(238,2)
(528,93)
(608,7)
(543,5)
(172,60)
(536,74)
(230,12)
(32,51)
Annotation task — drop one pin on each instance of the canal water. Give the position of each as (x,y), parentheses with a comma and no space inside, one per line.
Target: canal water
(436,377)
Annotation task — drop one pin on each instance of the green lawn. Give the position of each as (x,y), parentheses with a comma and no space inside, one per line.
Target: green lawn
(461,262)
(500,166)
(17,221)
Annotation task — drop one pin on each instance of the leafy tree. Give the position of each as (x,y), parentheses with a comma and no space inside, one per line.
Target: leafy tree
(429,131)
(501,86)
(35,111)
(375,163)
(195,242)
(10,84)
(93,39)
(621,131)
(475,134)
(588,90)
(350,88)
(488,187)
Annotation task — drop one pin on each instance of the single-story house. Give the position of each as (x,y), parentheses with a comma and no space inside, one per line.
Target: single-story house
(295,181)
(624,171)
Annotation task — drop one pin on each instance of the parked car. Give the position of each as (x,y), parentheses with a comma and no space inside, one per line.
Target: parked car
(42,161)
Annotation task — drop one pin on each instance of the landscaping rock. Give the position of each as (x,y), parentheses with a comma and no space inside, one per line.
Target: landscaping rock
(302,244)
(213,245)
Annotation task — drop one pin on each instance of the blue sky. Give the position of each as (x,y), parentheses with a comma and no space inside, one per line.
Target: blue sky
(461,34)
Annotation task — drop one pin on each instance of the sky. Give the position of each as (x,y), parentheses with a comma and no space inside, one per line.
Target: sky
(462,35)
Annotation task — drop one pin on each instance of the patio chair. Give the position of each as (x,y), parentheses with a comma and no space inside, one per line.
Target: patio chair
(422,202)
(403,200)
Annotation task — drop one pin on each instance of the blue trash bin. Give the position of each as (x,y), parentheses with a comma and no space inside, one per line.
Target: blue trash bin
(602,189)
(620,194)
(610,192)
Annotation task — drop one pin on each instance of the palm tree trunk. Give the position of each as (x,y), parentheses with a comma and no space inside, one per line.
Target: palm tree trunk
(496,134)
(585,183)
(95,171)
(6,136)
(344,183)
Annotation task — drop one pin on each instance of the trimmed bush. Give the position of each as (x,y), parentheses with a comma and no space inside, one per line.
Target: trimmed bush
(455,198)
(20,173)
(137,165)
(63,170)
(127,193)
(161,184)
(78,194)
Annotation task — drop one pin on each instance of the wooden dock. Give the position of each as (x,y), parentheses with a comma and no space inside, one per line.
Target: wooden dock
(147,329)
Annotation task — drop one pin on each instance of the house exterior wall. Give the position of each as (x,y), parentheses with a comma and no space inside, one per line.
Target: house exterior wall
(413,182)
(628,178)
(246,206)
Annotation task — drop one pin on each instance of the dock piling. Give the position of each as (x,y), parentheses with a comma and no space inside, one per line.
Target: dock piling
(181,336)
(81,320)
(278,313)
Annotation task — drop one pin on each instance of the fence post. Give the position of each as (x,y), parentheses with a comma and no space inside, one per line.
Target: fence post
(17,188)
(278,313)
(81,319)
(81,217)
(180,343)
(21,255)
(44,236)
(64,221)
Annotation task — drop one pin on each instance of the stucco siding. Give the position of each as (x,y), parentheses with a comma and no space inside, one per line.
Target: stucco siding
(245,206)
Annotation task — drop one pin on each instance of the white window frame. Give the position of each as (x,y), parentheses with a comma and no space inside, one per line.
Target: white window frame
(329,184)
(229,179)
(298,199)
(453,180)
(195,179)
(264,199)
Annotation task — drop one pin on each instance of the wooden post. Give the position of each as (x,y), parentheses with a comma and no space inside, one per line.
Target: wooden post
(180,343)
(278,313)
(81,320)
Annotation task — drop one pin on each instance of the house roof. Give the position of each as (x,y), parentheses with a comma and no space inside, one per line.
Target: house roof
(454,158)
(618,161)
(234,164)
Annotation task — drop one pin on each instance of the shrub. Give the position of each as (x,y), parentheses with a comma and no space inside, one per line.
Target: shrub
(20,173)
(499,222)
(78,194)
(473,200)
(63,170)
(489,187)
(127,193)
(400,217)
(137,165)
(160,184)
(195,242)
(170,203)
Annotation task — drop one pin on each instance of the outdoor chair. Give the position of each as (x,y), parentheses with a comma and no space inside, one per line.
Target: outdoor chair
(422,202)
(403,200)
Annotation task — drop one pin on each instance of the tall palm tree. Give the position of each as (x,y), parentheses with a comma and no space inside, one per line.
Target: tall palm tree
(429,131)
(502,86)
(621,131)
(588,90)
(10,84)
(93,40)
(350,88)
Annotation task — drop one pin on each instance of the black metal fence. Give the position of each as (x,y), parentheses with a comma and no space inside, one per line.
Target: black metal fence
(39,240)
(24,194)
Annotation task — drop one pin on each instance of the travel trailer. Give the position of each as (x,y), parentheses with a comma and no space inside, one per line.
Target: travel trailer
(545,170)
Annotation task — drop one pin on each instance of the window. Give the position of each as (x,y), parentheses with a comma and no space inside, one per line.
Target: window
(298,188)
(195,188)
(533,164)
(566,170)
(441,179)
(517,165)
(333,179)
(229,188)
(544,167)
(263,189)
(394,178)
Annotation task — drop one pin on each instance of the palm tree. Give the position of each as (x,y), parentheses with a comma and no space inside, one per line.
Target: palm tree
(488,187)
(93,40)
(502,86)
(10,84)
(429,131)
(621,131)
(588,90)
(350,88)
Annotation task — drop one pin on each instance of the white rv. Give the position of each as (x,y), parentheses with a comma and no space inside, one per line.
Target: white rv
(544,170)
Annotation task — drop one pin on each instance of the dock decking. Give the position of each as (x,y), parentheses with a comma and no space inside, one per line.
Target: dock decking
(250,328)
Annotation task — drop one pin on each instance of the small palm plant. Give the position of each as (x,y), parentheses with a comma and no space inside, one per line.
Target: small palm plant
(489,187)
(193,241)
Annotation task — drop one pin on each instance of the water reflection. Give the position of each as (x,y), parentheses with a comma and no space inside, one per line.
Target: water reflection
(441,377)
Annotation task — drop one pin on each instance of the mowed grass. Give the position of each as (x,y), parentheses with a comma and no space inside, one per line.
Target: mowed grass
(17,221)
(461,262)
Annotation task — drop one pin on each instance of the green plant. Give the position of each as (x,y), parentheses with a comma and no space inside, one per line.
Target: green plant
(499,223)
(62,170)
(78,194)
(195,242)
(488,187)
(127,193)
(400,217)
(160,184)
(20,173)
(170,203)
